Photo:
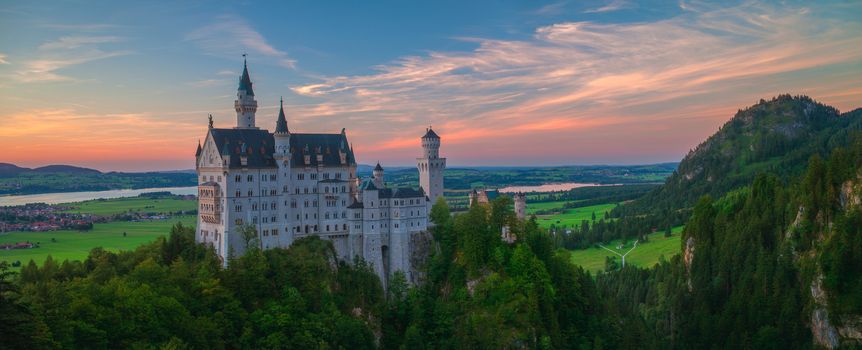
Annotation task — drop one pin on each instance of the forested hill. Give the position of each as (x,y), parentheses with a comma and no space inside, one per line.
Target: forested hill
(776,136)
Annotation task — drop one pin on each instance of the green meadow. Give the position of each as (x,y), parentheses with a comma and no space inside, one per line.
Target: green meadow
(107,207)
(76,245)
(568,217)
(645,255)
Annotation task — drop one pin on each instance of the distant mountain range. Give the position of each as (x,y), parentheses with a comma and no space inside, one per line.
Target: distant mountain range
(7,169)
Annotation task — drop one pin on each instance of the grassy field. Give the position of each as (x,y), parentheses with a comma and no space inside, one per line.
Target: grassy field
(75,245)
(137,204)
(645,255)
(569,217)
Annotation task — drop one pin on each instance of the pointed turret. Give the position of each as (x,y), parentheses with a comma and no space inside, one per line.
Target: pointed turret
(282,135)
(245,80)
(245,104)
(281,122)
(198,152)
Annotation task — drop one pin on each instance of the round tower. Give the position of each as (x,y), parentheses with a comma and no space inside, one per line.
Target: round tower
(378,176)
(520,205)
(245,104)
(431,166)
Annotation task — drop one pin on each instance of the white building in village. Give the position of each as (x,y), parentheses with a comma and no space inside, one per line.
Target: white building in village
(290,185)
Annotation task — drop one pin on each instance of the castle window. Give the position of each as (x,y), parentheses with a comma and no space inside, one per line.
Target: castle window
(342,189)
(250,178)
(275,232)
(306,190)
(338,176)
(272,206)
(272,177)
(327,228)
(219,178)
(285,189)
(254,220)
(326,189)
(238,221)
(238,194)
(249,193)
(238,178)
(273,219)
(325,176)
(238,208)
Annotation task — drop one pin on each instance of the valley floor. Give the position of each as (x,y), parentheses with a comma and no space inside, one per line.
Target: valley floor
(645,255)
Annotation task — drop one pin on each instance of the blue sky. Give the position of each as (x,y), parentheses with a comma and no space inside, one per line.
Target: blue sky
(128,86)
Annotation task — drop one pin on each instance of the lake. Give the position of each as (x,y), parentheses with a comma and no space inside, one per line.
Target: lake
(549,187)
(66,197)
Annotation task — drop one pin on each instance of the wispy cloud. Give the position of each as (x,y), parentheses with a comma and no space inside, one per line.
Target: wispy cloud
(554,8)
(45,69)
(83,27)
(230,35)
(3,59)
(614,5)
(578,76)
(74,42)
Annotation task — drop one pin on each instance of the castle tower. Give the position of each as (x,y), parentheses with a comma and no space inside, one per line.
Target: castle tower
(520,205)
(431,166)
(245,104)
(378,176)
(282,160)
(281,134)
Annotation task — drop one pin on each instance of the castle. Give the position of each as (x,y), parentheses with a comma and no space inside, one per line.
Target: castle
(290,185)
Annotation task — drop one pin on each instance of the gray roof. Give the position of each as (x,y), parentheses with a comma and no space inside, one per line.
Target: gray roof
(259,146)
(378,167)
(404,192)
(327,145)
(430,134)
(368,185)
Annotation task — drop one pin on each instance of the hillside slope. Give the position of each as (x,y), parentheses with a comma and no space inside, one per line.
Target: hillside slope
(776,136)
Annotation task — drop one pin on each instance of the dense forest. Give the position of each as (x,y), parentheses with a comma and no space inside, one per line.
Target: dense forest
(480,293)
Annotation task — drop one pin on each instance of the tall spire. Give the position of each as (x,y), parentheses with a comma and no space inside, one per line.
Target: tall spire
(245,80)
(281,123)
(245,104)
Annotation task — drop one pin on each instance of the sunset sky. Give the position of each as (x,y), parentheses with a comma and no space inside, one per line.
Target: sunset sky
(128,85)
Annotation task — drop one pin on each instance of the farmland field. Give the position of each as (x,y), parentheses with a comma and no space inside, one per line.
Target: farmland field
(645,255)
(136,204)
(568,217)
(75,245)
